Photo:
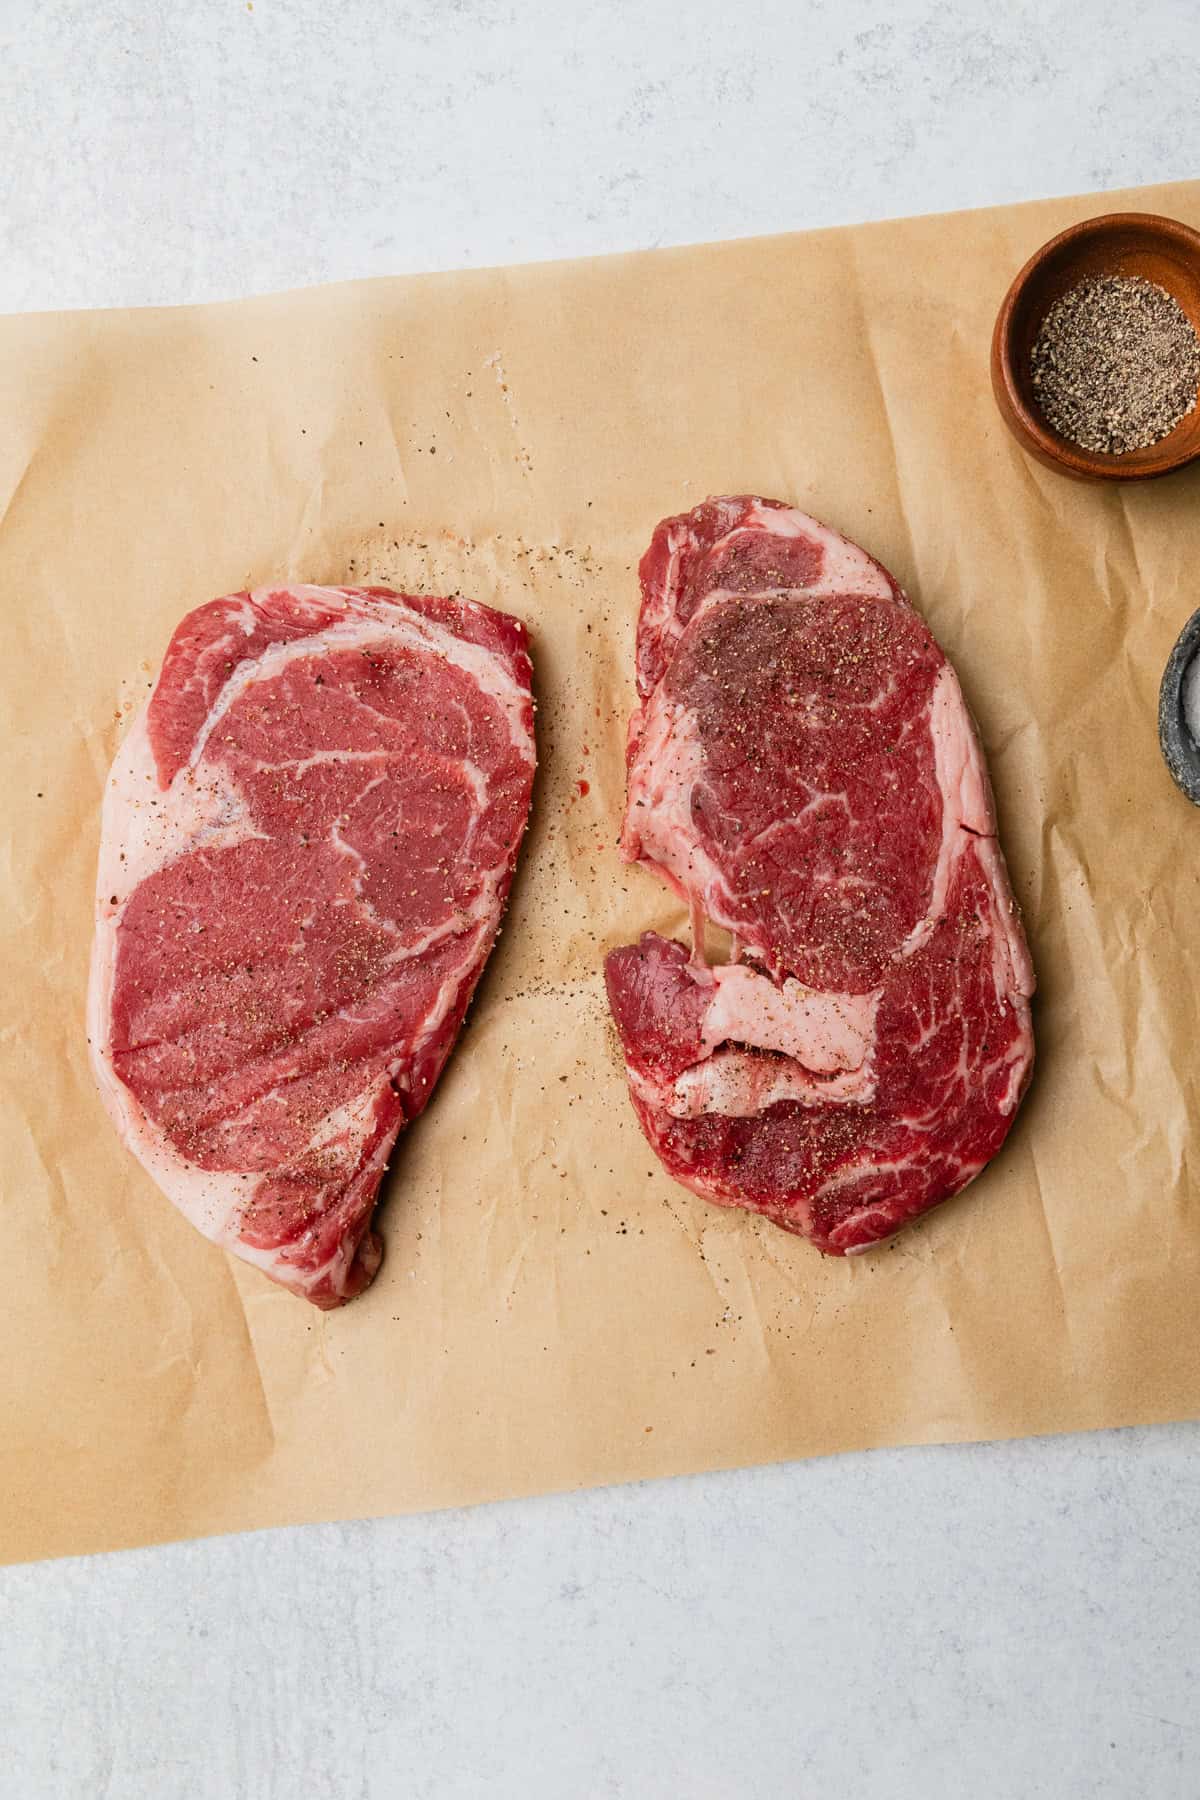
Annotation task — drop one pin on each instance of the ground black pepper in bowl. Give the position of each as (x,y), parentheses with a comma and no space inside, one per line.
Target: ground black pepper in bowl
(1116,364)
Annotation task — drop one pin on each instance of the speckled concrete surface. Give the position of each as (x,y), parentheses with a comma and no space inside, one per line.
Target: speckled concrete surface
(204,148)
(1004,1621)
(1010,1622)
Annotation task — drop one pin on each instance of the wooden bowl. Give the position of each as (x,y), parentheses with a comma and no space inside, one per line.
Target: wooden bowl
(1161,250)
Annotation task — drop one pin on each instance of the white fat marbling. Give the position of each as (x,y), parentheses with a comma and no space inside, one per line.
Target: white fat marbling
(1017,1622)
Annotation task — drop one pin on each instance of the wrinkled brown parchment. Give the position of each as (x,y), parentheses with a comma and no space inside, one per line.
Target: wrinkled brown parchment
(553,1311)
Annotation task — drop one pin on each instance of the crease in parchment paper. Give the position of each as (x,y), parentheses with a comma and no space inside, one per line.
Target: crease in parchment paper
(552,1310)
(12,498)
(1053,1260)
(252,1365)
(859,287)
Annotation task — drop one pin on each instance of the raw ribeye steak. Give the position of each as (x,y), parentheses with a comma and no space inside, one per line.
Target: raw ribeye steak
(308,838)
(804,772)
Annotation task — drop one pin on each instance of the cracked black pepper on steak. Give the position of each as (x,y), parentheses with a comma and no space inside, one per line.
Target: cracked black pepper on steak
(1116,364)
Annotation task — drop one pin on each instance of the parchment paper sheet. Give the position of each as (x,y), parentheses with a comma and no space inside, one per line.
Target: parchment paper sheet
(552,1310)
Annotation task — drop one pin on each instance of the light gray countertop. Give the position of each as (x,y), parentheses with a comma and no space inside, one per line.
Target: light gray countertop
(1000,1620)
